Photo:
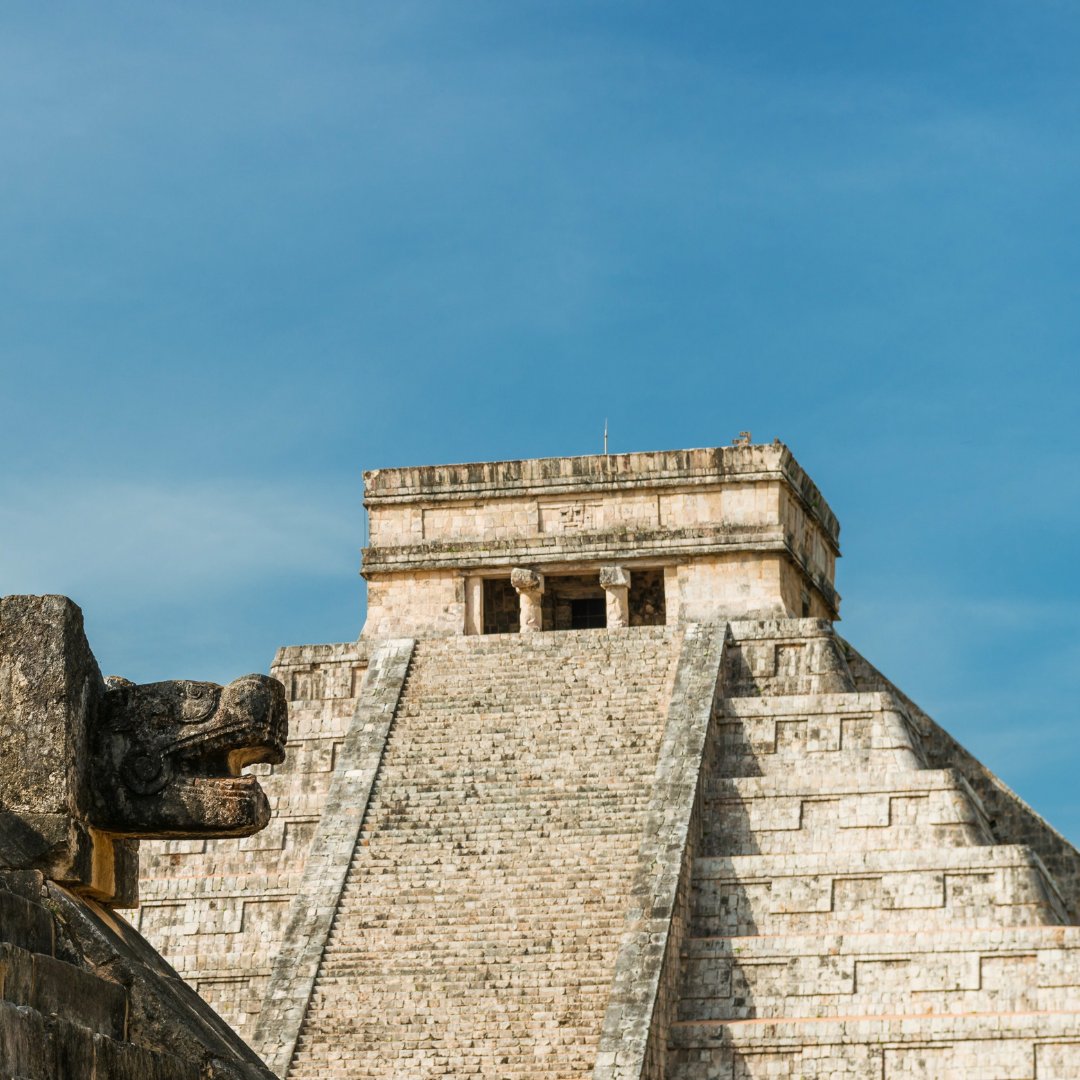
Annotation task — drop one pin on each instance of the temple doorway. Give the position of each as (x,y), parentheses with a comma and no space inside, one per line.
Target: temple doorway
(574,602)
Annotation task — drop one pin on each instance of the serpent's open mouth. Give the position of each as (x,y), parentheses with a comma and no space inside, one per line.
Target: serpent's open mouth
(180,767)
(228,763)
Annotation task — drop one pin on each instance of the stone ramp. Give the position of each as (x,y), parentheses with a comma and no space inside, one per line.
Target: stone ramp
(482,914)
(853,912)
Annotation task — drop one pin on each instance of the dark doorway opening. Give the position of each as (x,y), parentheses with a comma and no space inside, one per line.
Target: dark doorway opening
(647,598)
(588,613)
(502,609)
(563,597)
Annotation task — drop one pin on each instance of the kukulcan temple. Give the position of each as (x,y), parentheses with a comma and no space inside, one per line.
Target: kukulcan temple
(597,792)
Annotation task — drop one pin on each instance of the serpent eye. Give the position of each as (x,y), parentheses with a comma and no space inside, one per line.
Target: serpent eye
(200,700)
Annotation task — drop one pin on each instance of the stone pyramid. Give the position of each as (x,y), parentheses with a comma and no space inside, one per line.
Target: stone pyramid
(599,792)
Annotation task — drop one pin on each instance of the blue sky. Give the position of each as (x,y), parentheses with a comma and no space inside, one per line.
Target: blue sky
(248,250)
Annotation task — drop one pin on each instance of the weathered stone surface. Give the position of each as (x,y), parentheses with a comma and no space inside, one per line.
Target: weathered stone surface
(614,577)
(590,853)
(164,1013)
(486,893)
(644,992)
(81,991)
(219,909)
(733,532)
(615,581)
(84,765)
(168,756)
(530,587)
(82,994)
(853,911)
(526,580)
(50,687)
(313,908)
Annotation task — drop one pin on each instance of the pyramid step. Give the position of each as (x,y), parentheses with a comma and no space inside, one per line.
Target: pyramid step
(488,884)
(980,1046)
(759,736)
(895,890)
(825,809)
(953,971)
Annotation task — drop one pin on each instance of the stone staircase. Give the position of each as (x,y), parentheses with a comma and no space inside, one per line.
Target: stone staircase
(854,912)
(482,911)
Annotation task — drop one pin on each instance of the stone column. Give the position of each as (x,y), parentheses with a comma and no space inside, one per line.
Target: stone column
(530,588)
(474,605)
(616,584)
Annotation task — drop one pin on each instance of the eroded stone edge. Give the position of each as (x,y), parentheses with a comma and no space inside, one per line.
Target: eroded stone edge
(311,912)
(644,988)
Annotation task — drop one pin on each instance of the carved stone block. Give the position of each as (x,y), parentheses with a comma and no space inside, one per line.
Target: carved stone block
(88,766)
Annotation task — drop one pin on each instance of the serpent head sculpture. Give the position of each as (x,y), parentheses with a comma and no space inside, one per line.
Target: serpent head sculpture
(170,756)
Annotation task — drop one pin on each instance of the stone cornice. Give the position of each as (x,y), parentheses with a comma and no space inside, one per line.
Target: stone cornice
(595,473)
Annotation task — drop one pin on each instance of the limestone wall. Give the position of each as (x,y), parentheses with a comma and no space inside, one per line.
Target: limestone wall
(217,909)
(741,581)
(743,529)
(420,603)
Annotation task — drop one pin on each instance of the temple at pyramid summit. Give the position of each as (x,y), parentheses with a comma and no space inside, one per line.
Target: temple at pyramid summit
(600,792)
